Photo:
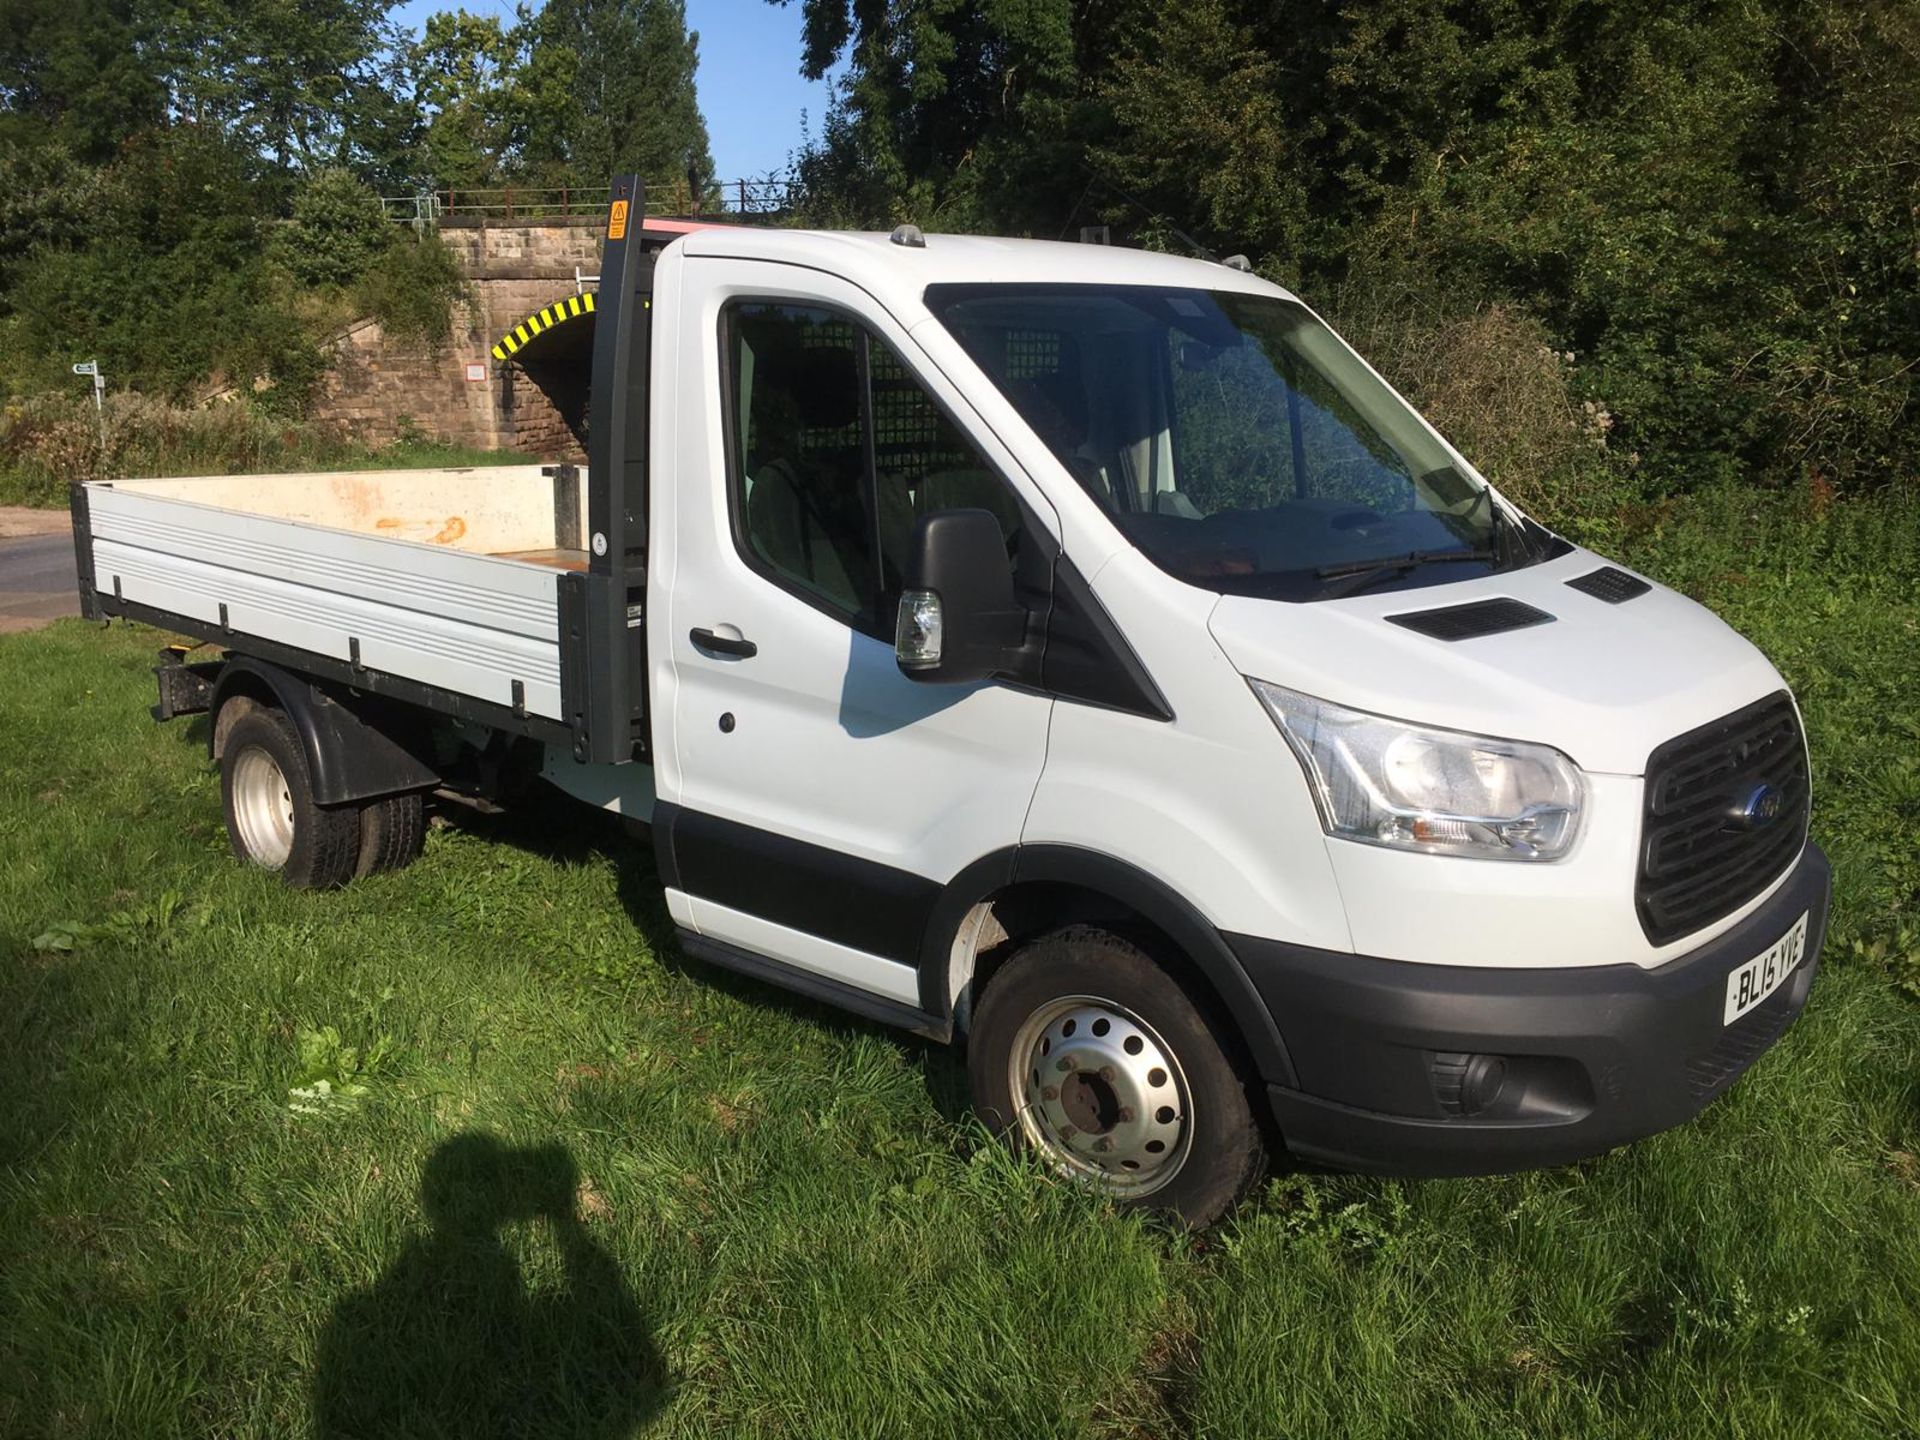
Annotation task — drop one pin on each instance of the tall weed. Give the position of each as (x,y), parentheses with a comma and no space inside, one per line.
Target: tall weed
(48,442)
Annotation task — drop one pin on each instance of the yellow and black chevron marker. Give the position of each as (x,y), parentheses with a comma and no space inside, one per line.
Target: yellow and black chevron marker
(557,313)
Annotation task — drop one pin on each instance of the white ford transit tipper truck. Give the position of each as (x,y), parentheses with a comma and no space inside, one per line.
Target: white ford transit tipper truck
(1075,651)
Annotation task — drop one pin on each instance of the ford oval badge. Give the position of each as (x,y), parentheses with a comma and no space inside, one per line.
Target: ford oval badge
(1762,807)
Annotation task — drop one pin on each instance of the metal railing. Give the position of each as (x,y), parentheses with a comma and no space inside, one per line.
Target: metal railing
(732,199)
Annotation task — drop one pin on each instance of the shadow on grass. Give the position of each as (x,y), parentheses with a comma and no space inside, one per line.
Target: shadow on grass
(450,1342)
(563,830)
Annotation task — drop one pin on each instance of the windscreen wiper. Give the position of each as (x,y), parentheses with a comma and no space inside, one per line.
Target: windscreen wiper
(1359,574)
(1523,548)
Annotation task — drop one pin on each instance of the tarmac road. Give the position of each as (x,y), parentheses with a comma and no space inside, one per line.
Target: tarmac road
(37,581)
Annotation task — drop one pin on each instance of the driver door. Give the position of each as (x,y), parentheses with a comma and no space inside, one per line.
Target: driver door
(817,800)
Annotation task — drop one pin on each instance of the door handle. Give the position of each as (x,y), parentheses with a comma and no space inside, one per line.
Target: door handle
(722,644)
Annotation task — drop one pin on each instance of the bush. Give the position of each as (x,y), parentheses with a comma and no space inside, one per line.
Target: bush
(1494,384)
(412,288)
(47,442)
(338,230)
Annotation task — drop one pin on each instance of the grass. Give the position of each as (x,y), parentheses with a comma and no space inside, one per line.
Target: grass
(472,1150)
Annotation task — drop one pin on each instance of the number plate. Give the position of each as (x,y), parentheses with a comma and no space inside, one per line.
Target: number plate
(1754,981)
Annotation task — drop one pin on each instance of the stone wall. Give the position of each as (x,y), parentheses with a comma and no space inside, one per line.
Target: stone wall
(546,250)
(381,389)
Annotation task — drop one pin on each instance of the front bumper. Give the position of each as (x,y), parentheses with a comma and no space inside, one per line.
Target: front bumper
(1593,1056)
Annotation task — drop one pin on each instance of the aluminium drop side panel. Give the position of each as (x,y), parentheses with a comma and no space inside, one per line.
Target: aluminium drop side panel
(471,624)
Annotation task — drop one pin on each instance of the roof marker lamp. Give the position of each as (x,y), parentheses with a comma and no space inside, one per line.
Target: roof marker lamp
(1438,792)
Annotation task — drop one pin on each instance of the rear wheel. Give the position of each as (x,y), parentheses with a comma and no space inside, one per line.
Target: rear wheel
(393,831)
(272,820)
(1088,1054)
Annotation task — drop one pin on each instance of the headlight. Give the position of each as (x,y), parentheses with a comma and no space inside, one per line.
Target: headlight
(1440,792)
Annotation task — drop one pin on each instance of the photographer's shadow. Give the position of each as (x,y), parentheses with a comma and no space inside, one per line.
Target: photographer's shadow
(451,1342)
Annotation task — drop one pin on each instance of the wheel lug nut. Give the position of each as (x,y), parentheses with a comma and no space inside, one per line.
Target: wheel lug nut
(1103,1145)
(1126,1112)
(1051,1092)
(1067,1132)
(1068,1064)
(1109,1074)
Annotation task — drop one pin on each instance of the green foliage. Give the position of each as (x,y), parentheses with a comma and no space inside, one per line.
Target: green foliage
(74,69)
(188,192)
(952,112)
(47,201)
(151,924)
(280,79)
(1709,207)
(571,92)
(334,1077)
(465,77)
(626,94)
(49,441)
(337,231)
(169,289)
(412,288)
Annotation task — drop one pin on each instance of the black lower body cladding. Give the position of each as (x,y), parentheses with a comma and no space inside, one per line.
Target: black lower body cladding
(1415,1069)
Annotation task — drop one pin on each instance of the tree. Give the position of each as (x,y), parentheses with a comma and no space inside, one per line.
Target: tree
(967,108)
(277,76)
(465,67)
(1711,205)
(632,104)
(337,231)
(47,201)
(78,71)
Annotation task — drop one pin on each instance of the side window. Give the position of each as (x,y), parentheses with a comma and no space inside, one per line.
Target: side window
(922,463)
(800,471)
(838,451)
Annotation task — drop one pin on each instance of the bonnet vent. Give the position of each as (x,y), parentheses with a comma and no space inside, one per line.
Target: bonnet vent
(1609,584)
(1466,622)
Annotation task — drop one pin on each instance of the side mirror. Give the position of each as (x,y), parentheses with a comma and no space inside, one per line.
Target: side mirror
(959,620)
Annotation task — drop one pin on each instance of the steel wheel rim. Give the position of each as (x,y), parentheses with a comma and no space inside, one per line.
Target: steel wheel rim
(262,808)
(1101,1095)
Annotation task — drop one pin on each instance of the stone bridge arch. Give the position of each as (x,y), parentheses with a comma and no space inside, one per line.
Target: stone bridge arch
(383,389)
(515,370)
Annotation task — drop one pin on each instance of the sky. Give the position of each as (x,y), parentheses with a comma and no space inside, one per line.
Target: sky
(751,90)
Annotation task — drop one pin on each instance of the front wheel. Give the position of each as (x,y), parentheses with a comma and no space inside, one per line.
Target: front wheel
(1085,1052)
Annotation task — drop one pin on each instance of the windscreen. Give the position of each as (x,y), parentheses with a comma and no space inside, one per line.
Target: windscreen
(1233,438)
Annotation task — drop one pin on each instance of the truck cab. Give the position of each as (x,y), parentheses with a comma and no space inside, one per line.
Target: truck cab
(1083,655)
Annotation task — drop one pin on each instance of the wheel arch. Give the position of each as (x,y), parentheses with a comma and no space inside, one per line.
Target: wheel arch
(350,757)
(1022,892)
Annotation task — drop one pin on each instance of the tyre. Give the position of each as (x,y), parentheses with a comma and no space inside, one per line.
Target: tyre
(1088,1054)
(272,820)
(393,831)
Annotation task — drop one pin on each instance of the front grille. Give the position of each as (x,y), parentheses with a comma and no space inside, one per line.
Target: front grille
(1702,853)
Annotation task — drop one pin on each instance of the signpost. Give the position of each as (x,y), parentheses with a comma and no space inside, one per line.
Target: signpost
(92,367)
